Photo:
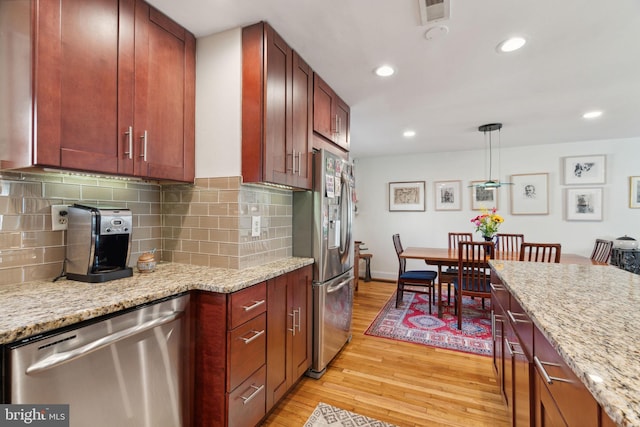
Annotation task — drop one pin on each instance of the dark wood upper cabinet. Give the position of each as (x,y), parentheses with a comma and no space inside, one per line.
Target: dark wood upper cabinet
(164,97)
(277,88)
(331,115)
(105,74)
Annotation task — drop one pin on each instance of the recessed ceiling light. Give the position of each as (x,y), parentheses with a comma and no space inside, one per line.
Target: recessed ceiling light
(509,45)
(409,133)
(592,114)
(385,71)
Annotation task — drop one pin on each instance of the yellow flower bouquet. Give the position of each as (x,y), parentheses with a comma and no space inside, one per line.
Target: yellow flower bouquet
(488,222)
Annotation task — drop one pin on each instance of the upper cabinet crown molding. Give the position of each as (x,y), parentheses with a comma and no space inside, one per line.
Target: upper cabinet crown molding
(99,101)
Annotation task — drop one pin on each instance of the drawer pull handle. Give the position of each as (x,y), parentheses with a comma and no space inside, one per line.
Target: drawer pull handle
(510,348)
(256,391)
(513,318)
(496,287)
(255,335)
(549,379)
(255,305)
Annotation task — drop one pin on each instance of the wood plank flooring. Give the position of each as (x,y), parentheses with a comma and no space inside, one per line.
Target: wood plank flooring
(401,383)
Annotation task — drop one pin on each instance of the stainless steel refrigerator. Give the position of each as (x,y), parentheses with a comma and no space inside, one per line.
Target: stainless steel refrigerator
(322,229)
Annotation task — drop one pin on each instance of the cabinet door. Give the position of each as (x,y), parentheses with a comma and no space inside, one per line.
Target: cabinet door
(343,117)
(300,294)
(323,120)
(302,123)
(547,413)
(76,83)
(164,104)
(278,161)
(571,397)
(279,322)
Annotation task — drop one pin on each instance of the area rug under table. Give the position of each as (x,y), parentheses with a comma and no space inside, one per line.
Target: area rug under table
(326,415)
(413,323)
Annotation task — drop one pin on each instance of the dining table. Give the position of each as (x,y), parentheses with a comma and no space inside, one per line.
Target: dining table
(446,257)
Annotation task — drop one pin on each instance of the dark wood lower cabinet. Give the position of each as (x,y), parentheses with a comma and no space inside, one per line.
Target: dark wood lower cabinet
(251,347)
(537,385)
(547,413)
(575,403)
(288,332)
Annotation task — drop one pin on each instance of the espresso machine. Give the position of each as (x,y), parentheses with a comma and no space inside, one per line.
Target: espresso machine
(98,243)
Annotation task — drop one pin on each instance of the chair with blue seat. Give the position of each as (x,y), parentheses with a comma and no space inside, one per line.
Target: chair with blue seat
(421,281)
(474,274)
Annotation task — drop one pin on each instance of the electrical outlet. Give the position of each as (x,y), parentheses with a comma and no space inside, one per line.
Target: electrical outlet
(255,226)
(59,217)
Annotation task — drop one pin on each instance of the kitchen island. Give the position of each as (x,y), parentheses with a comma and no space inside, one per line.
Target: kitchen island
(41,306)
(590,315)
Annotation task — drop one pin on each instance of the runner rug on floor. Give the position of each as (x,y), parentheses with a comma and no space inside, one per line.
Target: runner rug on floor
(326,415)
(413,323)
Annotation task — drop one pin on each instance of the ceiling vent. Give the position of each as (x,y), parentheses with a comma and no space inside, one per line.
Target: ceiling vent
(434,11)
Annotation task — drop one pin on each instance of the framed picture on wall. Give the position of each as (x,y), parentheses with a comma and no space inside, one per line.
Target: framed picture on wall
(584,204)
(482,197)
(406,196)
(448,195)
(584,170)
(530,194)
(634,191)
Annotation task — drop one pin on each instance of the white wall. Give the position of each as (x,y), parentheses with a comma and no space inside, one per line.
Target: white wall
(375,225)
(219,104)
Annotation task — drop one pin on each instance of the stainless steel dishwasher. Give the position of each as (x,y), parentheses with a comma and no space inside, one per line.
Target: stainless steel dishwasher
(125,370)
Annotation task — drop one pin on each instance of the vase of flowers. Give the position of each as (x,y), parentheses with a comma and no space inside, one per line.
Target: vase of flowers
(488,223)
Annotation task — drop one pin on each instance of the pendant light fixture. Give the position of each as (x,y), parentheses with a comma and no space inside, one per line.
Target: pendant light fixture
(487,130)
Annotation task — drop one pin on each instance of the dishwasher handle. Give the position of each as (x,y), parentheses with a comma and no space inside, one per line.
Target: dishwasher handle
(60,358)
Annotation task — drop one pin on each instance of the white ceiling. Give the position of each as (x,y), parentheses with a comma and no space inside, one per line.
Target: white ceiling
(581,55)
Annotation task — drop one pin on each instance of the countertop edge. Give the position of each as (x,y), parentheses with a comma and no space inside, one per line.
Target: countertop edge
(605,398)
(117,295)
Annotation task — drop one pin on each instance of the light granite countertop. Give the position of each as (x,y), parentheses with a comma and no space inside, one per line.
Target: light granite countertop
(41,306)
(591,315)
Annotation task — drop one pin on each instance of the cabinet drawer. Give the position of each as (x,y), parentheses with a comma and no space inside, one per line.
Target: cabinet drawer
(247,402)
(499,292)
(247,350)
(574,401)
(522,325)
(247,304)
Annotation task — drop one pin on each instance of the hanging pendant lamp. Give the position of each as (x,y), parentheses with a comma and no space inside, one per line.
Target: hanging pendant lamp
(486,130)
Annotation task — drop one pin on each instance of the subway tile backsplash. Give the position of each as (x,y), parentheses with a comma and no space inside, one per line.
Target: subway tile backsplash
(207,223)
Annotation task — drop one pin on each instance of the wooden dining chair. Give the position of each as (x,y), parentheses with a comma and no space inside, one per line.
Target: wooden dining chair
(509,242)
(422,281)
(474,274)
(540,252)
(451,273)
(602,250)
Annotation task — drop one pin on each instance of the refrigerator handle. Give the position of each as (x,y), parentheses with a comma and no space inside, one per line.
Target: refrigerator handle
(346,245)
(332,289)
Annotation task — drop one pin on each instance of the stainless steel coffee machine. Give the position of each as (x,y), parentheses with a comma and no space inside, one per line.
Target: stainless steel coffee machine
(98,243)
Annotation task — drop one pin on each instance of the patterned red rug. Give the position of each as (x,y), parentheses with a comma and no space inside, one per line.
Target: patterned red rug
(412,323)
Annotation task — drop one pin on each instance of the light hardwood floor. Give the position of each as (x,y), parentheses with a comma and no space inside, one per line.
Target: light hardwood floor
(401,383)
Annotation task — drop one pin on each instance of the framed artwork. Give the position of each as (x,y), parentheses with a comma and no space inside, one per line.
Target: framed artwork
(448,195)
(530,194)
(584,204)
(406,196)
(634,191)
(482,197)
(584,170)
